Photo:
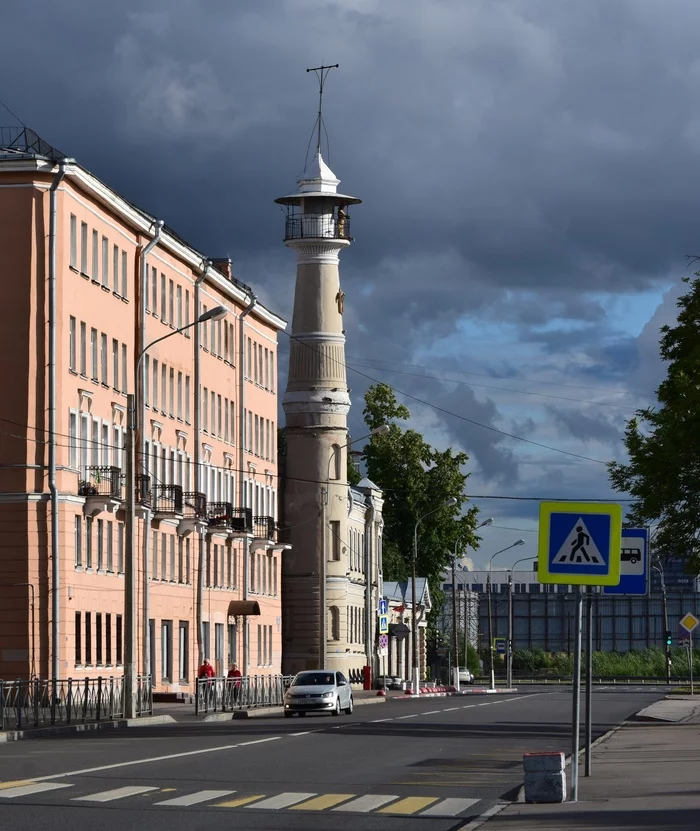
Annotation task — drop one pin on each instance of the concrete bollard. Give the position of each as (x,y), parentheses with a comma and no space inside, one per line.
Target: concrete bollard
(545,779)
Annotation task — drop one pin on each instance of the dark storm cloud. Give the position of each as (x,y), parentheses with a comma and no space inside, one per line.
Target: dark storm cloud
(514,156)
(587,427)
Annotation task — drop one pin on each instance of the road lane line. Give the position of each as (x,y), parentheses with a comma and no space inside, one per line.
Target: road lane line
(409,805)
(283,800)
(260,741)
(194,798)
(449,807)
(115,793)
(236,803)
(481,819)
(379,720)
(431,712)
(415,715)
(322,803)
(449,709)
(28,790)
(303,733)
(367,803)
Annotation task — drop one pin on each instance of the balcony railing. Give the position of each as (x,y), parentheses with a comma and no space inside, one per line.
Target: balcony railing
(264,527)
(143,490)
(224,515)
(101,481)
(167,499)
(316,226)
(194,505)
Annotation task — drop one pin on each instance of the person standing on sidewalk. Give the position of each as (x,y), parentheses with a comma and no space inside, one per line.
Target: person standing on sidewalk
(235,674)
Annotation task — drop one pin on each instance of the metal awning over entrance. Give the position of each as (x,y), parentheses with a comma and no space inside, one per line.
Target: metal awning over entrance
(243,607)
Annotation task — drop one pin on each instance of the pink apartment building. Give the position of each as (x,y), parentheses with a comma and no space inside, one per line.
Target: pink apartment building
(88,281)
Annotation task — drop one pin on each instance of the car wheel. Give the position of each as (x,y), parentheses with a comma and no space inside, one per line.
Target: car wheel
(336,712)
(350,707)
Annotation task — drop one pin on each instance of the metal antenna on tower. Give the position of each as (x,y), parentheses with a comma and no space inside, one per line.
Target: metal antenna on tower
(321,74)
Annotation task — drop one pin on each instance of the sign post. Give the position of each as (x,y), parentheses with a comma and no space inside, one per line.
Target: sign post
(579,545)
(689,622)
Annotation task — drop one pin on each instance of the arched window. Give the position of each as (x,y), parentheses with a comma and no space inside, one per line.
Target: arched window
(336,460)
(334,621)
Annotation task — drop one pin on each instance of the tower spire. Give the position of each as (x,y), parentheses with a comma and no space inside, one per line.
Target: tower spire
(321,74)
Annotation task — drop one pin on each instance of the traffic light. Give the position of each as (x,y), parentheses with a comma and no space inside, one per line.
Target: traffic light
(669,639)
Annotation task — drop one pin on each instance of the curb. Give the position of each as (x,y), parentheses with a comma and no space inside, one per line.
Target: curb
(447,693)
(277,711)
(98,726)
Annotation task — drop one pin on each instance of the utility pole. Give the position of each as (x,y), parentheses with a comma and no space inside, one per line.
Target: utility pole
(455,647)
(129,565)
(488,598)
(509,663)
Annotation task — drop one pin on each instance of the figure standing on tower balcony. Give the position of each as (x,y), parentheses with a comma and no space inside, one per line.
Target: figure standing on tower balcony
(340,300)
(342,227)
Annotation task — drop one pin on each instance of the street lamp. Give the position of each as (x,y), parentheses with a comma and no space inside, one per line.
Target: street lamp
(488,597)
(511,636)
(415,684)
(659,567)
(455,650)
(383,429)
(130,709)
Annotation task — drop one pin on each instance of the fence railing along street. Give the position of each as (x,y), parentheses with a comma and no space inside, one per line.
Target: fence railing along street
(248,692)
(41,702)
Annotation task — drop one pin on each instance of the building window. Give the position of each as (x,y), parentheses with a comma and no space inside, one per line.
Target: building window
(73,241)
(88,541)
(232,638)
(84,248)
(125,283)
(154,567)
(187,312)
(125,386)
(83,349)
(105,262)
(72,346)
(274,576)
(120,548)
(115,363)
(78,639)
(103,359)
(110,529)
(163,309)
(108,640)
(259,645)
(115,269)
(171,399)
(163,388)
(218,416)
(205,332)
(100,544)
(98,638)
(155,384)
(172,558)
(205,410)
(171,302)
(73,440)
(183,650)
(78,541)
(179,395)
(95,257)
(335,540)
(88,638)
(118,641)
(166,650)
(179,307)
(187,398)
(163,556)
(206,638)
(147,380)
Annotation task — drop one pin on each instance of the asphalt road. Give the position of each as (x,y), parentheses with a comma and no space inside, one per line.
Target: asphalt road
(432,764)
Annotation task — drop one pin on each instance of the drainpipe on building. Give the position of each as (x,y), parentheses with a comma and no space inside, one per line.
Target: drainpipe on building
(243,490)
(53,489)
(369,539)
(141,382)
(206,265)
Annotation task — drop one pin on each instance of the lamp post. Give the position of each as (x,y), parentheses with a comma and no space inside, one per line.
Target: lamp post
(415,683)
(130,708)
(323,634)
(488,598)
(509,663)
(658,567)
(455,646)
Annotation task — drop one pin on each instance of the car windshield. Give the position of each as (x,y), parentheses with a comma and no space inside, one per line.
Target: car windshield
(308,679)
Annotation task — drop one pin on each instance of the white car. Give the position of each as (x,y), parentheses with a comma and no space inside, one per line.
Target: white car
(465,677)
(318,691)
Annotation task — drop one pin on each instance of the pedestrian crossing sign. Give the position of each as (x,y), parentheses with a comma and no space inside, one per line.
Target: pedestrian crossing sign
(579,543)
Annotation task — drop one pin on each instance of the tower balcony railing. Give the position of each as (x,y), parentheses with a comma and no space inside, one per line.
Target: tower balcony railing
(317,226)
(264,527)
(104,481)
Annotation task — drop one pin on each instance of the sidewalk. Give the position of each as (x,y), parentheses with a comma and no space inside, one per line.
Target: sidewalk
(645,774)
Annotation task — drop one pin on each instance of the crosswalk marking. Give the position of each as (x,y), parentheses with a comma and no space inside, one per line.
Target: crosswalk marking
(28,790)
(321,803)
(236,803)
(195,798)
(449,807)
(116,793)
(409,805)
(367,803)
(283,800)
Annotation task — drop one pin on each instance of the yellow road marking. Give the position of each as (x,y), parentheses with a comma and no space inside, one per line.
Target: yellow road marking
(17,783)
(320,803)
(167,790)
(234,803)
(409,805)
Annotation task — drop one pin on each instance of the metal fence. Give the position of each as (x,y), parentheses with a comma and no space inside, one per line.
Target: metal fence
(228,694)
(38,703)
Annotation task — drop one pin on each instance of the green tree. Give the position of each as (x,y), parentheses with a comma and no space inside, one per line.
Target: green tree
(416,479)
(663,472)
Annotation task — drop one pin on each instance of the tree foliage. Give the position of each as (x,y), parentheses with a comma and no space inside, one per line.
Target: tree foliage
(416,479)
(663,443)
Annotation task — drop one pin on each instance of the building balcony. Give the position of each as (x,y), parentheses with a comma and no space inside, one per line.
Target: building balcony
(317,226)
(264,528)
(194,513)
(144,496)
(102,488)
(222,517)
(167,501)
